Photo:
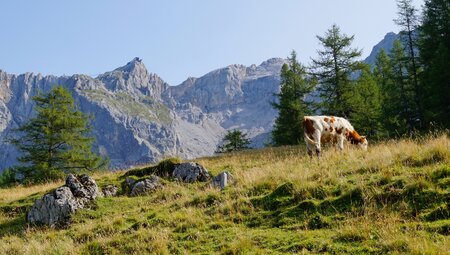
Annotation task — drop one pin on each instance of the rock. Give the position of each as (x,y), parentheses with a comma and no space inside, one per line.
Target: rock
(139,118)
(56,207)
(190,172)
(221,180)
(82,187)
(110,190)
(146,186)
(129,182)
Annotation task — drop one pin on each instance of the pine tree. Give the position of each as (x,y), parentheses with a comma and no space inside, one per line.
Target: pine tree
(383,74)
(292,104)
(366,103)
(56,141)
(234,140)
(434,45)
(409,21)
(402,94)
(333,67)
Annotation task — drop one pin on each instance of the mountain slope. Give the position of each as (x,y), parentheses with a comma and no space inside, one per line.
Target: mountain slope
(139,118)
(392,199)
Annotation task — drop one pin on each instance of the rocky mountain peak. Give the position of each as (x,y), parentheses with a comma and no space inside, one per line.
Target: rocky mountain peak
(134,66)
(134,78)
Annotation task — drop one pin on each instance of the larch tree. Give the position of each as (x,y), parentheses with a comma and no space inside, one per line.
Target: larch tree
(333,67)
(56,141)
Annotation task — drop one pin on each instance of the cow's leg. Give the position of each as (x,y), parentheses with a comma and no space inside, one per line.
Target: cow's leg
(309,148)
(340,142)
(317,137)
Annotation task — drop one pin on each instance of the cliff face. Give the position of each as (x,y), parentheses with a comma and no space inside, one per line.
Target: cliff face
(140,119)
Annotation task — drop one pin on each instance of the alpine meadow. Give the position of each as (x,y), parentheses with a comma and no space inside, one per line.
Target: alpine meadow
(320,152)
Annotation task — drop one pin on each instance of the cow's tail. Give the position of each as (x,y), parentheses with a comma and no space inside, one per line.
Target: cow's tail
(308,139)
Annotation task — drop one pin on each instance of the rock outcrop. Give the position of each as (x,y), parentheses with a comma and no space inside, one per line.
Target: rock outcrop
(190,172)
(56,208)
(145,186)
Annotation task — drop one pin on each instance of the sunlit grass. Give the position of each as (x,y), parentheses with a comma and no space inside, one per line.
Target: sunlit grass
(388,200)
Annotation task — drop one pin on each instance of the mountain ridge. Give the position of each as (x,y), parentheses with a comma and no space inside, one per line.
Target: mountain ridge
(140,118)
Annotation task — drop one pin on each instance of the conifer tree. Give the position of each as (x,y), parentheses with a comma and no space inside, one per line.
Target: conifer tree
(434,45)
(383,74)
(408,20)
(366,103)
(402,94)
(333,67)
(292,104)
(56,141)
(234,140)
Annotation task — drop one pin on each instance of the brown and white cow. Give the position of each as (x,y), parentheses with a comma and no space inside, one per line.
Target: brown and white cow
(330,129)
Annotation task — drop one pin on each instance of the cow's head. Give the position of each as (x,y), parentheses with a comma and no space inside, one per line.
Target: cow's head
(364,143)
(358,140)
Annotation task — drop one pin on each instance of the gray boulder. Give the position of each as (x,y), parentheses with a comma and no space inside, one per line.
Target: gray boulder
(221,180)
(56,208)
(190,172)
(110,190)
(82,186)
(145,186)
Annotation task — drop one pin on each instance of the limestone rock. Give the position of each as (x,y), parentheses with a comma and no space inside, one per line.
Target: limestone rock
(110,190)
(190,172)
(56,208)
(221,180)
(82,187)
(140,119)
(146,186)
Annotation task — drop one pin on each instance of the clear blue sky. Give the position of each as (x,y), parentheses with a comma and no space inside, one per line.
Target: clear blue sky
(177,38)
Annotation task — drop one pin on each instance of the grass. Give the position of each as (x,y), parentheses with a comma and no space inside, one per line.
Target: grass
(392,199)
(143,106)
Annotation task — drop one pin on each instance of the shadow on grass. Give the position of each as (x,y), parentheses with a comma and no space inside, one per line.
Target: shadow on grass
(15,226)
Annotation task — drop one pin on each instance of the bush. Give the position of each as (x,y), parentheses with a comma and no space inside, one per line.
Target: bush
(7,178)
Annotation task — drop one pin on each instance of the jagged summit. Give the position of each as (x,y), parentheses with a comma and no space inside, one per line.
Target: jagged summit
(134,65)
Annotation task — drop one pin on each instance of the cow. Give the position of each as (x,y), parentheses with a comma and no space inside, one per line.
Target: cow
(330,129)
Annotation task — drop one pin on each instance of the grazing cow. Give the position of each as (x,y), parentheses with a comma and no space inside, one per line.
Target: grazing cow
(326,129)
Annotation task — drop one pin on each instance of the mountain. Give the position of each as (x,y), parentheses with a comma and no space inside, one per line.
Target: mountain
(139,118)
(386,44)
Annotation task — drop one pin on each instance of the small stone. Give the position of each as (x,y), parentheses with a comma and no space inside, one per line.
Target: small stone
(221,180)
(110,190)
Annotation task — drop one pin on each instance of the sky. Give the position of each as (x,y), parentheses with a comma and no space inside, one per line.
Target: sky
(177,39)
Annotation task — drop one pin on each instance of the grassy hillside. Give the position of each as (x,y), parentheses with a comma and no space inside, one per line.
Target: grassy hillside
(392,199)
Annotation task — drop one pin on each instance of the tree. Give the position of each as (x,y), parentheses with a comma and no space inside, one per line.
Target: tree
(401,93)
(434,45)
(292,104)
(366,103)
(383,73)
(408,21)
(333,67)
(234,140)
(56,141)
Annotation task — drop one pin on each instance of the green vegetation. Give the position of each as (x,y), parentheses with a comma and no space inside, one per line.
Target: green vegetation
(392,199)
(143,107)
(292,104)
(234,141)
(55,142)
